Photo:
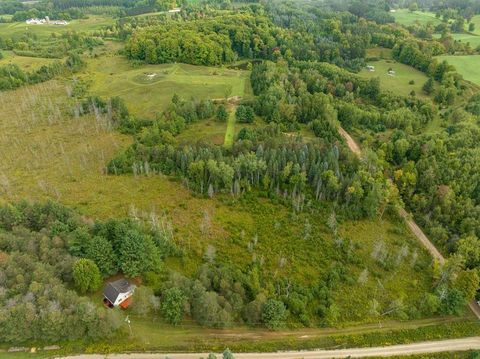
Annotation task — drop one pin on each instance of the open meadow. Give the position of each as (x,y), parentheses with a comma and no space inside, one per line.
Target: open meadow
(148,89)
(467,66)
(398,82)
(407,17)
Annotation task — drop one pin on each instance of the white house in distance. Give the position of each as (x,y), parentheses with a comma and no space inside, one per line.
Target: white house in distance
(36,21)
(370,68)
(118,293)
(46,21)
(174,10)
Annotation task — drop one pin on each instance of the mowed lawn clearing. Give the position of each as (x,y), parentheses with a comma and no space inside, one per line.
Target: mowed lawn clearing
(18,29)
(230,132)
(148,89)
(468,66)
(407,17)
(399,82)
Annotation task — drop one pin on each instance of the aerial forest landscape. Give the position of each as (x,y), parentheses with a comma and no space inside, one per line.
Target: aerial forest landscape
(264,179)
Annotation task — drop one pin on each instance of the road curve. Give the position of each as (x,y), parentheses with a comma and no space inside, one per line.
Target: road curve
(452,345)
(414,228)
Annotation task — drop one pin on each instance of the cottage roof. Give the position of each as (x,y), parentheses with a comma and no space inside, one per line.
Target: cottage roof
(114,289)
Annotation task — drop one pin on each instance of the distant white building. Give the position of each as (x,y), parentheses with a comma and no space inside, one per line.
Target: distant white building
(36,21)
(59,22)
(177,9)
(46,21)
(370,68)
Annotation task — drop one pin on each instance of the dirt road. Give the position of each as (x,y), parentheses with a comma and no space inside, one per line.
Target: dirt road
(404,349)
(414,228)
(350,142)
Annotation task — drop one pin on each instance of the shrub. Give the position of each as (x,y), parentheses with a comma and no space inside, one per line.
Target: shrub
(222,113)
(86,276)
(173,305)
(274,314)
(244,114)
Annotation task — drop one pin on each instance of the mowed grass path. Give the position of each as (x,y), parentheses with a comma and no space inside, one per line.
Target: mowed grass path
(406,17)
(398,83)
(230,132)
(148,89)
(17,29)
(468,66)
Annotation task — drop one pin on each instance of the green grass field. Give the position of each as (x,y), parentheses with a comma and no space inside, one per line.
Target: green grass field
(476,21)
(398,83)
(406,17)
(467,66)
(149,88)
(25,63)
(473,40)
(17,29)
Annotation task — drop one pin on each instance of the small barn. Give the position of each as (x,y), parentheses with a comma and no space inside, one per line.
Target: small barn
(118,293)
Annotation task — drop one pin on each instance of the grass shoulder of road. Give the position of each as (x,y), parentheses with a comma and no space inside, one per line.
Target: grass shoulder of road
(243,340)
(469,354)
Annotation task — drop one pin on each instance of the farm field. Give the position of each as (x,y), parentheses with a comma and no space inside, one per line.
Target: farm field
(467,66)
(398,83)
(149,88)
(24,62)
(17,29)
(406,17)
(51,154)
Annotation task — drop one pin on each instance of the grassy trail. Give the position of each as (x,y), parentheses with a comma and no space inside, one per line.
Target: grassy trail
(230,132)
